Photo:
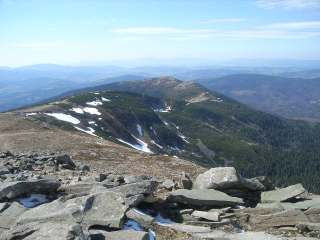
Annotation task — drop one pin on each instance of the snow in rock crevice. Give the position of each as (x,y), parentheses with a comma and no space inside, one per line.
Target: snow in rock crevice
(64,117)
(142,146)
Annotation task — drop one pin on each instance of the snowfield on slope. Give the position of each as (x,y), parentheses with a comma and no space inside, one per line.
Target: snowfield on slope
(64,117)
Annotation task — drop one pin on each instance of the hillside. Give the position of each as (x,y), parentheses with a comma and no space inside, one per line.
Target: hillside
(295,98)
(168,116)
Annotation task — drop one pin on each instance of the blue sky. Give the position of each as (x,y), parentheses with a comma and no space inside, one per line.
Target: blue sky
(163,31)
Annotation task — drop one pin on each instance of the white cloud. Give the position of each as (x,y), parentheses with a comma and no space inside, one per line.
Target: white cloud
(306,25)
(224,20)
(288,4)
(282,30)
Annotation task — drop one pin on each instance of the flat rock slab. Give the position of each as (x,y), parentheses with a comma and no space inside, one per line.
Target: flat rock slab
(203,197)
(12,190)
(282,194)
(106,209)
(10,214)
(284,218)
(186,228)
(140,217)
(211,216)
(221,235)
(48,231)
(120,235)
(308,226)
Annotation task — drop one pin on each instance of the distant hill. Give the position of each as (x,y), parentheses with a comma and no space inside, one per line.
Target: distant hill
(295,98)
(169,116)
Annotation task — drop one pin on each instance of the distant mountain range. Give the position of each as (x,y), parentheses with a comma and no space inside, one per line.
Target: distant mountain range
(295,98)
(184,119)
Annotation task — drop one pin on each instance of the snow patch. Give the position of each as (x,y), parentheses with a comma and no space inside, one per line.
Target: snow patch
(64,117)
(89,131)
(105,99)
(139,129)
(142,146)
(167,109)
(31,114)
(77,110)
(94,103)
(184,138)
(93,111)
(158,145)
(93,123)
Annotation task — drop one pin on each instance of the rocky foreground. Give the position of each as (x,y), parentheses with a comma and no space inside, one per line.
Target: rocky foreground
(51,196)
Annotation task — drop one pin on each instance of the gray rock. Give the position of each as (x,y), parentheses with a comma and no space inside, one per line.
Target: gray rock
(48,231)
(187,228)
(185,181)
(313,214)
(308,226)
(252,184)
(133,179)
(140,217)
(12,190)
(65,162)
(204,198)
(135,193)
(284,218)
(211,216)
(221,235)
(282,194)
(107,209)
(9,215)
(3,206)
(217,178)
(168,184)
(4,170)
(119,235)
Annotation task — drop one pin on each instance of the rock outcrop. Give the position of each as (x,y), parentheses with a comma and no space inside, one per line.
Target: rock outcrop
(50,196)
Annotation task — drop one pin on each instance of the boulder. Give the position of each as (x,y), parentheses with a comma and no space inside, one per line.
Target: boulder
(217,178)
(135,193)
(282,194)
(168,184)
(225,178)
(65,162)
(12,190)
(211,216)
(203,198)
(107,209)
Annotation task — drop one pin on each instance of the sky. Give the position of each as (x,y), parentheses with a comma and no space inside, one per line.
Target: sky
(82,32)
